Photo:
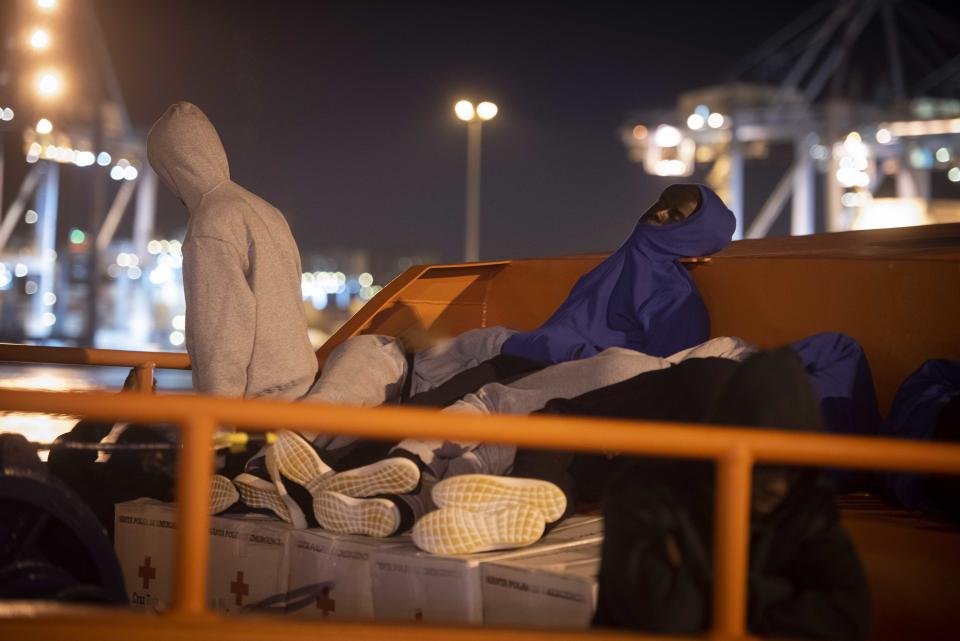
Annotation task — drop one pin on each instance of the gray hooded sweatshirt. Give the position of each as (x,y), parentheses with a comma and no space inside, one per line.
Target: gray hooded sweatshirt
(246,327)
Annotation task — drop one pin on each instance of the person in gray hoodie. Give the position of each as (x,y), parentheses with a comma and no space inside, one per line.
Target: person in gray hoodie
(245,325)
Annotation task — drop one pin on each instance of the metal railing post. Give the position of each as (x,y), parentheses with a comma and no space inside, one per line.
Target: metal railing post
(144,375)
(731,549)
(194,474)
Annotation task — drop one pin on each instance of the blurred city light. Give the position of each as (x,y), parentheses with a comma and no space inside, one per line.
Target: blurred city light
(116,172)
(943,155)
(640,132)
(39,39)
(104,159)
(667,136)
(77,236)
(47,5)
(464,110)
(695,121)
(44,126)
(715,120)
(30,217)
(48,84)
(954,174)
(6,114)
(486,110)
(883,136)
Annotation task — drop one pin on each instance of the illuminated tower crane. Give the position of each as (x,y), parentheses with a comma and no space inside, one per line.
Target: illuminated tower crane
(61,102)
(864,91)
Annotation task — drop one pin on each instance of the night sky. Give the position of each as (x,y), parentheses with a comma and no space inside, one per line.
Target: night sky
(341,113)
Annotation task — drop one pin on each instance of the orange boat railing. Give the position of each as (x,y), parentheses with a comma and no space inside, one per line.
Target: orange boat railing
(734,450)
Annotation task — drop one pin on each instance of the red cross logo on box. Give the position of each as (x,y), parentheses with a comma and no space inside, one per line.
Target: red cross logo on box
(239,588)
(146,573)
(325,603)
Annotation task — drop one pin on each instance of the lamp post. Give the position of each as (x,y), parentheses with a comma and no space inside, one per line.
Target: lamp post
(474,117)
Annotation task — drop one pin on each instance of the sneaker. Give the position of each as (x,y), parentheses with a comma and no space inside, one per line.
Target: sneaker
(258,493)
(296,460)
(485,492)
(458,531)
(222,494)
(347,515)
(390,476)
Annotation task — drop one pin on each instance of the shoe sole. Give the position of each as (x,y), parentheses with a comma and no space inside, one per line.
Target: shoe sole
(222,494)
(389,476)
(297,460)
(485,493)
(256,492)
(450,531)
(347,515)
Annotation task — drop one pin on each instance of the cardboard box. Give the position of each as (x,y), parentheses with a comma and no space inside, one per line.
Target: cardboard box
(410,585)
(249,558)
(552,588)
(330,573)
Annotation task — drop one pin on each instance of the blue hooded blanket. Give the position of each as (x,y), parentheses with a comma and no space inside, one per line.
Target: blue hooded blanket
(914,414)
(841,377)
(640,297)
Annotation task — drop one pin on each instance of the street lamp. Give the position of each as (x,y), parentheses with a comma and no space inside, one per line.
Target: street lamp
(474,117)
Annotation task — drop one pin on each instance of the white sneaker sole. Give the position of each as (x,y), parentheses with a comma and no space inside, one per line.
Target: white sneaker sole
(346,515)
(485,492)
(389,476)
(457,531)
(222,494)
(258,493)
(296,459)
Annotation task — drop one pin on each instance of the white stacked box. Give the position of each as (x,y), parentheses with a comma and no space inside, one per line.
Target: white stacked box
(410,585)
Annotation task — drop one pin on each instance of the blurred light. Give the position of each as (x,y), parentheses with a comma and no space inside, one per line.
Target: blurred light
(47,5)
(153,247)
(365,279)
(164,246)
(695,121)
(175,247)
(123,163)
(854,199)
(889,166)
(123,259)
(883,213)
(30,288)
(30,217)
(853,138)
(48,319)
(20,270)
(671,167)
(49,298)
(130,173)
(819,152)
(6,114)
(921,158)
(179,322)
(77,236)
(954,175)
(113,271)
(715,120)
(176,338)
(84,159)
(340,277)
(640,132)
(366,293)
(883,136)
(134,260)
(924,127)
(667,136)
(487,110)
(44,126)
(39,39)
(134,272)
(103,159)
(116,172)
(48,84)
(943,155)
(702,110)
(464,110)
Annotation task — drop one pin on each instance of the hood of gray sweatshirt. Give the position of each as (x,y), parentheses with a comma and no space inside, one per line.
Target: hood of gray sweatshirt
(246,327)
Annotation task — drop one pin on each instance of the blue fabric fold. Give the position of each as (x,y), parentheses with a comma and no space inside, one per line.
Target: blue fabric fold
(640,297)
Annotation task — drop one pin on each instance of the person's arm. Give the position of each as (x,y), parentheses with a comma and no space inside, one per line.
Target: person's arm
(221,316)
(825,598)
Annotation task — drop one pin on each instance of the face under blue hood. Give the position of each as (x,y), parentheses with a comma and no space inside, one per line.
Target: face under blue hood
(640,297)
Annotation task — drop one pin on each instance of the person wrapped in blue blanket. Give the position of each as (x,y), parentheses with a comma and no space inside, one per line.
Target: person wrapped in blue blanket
(926,407)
